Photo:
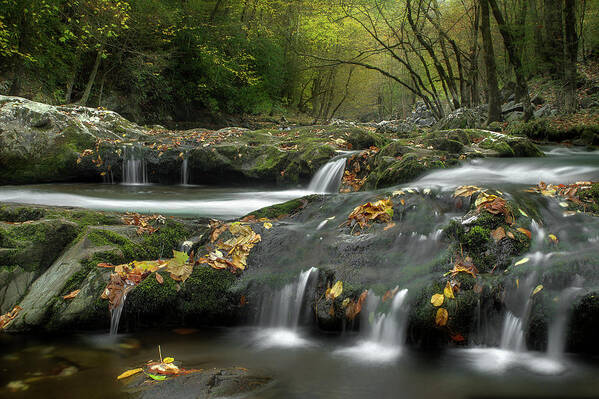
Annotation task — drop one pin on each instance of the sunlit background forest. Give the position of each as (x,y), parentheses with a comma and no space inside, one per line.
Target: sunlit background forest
(203,61)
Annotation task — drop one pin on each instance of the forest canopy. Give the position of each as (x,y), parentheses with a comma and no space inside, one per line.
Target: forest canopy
(157,60)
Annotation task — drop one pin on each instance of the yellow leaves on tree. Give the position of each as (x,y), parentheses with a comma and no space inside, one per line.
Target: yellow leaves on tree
(232,253)
(380,211)
(334,291)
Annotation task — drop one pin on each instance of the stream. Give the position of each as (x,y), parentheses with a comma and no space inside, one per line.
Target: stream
(371,363)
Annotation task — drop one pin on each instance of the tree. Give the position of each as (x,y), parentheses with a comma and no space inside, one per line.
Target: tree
(494,113)
(570,55)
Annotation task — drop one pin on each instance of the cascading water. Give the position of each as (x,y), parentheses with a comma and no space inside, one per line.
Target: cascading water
(328,178)
(115,314)
(134,166)
(556,339)
(383,333)
(185,172)
(281,312)
(512,333)
(284,308)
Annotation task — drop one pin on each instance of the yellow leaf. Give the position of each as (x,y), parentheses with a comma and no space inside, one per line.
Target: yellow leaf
(563,204)
(345,302)
(129,373)
(168,360)
(537,289)
(442,317)
(437,299)
(522,212)
(553,238)
(484,198)
(527,233)
(334,291)
(448,291)
(267,225)
(521,261)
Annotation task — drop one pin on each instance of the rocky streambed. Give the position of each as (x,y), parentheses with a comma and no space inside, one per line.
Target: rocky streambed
(439,240)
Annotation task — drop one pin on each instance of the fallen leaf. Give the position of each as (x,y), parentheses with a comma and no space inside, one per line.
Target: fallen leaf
(157,377)
(553,238)
(527,233)
(522,212)
(537,289)
(437,300)
(168,360)
(441,317)
(71,295)
(335,291)
(458,338)
(498,234)
(129,373)
(448,291)
(511,235)
(267,225)
(354,308)
(159,278)
(521,261)
(8,317)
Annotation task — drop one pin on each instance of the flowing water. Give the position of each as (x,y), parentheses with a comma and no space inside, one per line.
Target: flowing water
(185,172)
(134,166)
(374,363)
(328,178)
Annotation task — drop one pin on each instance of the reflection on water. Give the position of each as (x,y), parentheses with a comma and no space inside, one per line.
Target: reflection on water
(312,371)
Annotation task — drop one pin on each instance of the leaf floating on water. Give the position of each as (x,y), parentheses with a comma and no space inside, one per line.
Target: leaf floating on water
(168,360)
(448,291)
(521,261)
(129,373)
(333,292)
(537,289)
(441,317)
(527,233)
(71,295)
(437,300)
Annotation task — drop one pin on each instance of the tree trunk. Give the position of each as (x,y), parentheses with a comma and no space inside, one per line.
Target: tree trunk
(570,53)
(510,46)
(92,78)
(553,42)
(70,83)
(490,67)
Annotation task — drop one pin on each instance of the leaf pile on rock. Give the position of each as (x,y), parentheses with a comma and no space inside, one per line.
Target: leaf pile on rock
(574,193)
(357,170)
(143,222)
(380,211)
(158,371)
(231,254)
(7,317)
(463,266)
(128,275)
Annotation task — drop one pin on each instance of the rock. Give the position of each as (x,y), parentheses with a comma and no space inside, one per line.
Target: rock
(463,118)
(513,116)
(537,99)
(512,107)
(205,384)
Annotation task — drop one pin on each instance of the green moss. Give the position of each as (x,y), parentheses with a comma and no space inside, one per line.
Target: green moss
(500,146)
(286,208)
(478,236)
(20,214)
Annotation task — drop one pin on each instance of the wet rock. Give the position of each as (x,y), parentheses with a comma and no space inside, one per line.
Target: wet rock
(463,118)
(212,383)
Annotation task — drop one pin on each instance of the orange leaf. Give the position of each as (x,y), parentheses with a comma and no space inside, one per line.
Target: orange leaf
(71,295)
(525,232)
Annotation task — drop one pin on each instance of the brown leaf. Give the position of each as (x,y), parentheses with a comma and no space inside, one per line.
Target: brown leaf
(159,278)
(354,308)
(498,234)
(71,295)
(441,317)
(527,233)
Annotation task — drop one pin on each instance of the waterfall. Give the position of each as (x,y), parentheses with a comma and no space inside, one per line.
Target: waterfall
(557,335)
(284,307)
(387,328)
(382,333)
(185,172)
(512,334)
(328,178)
(115,314)
(134,166)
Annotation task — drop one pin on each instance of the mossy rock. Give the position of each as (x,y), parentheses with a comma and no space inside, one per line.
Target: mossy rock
(402,171)
(584,325)
(286,208)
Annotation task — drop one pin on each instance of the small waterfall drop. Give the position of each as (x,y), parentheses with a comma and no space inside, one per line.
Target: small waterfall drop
(557,335)
(284,308)
(115,314)
(185,172)
(512,333)
(328,178)
(382,333)
(134,166)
